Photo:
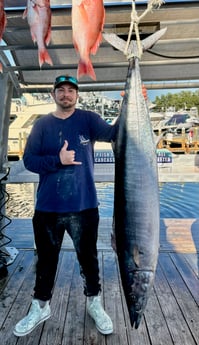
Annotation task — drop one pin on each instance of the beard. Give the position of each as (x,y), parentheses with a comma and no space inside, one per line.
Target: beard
(66,103)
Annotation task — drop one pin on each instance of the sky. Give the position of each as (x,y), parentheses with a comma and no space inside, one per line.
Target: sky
(152,94)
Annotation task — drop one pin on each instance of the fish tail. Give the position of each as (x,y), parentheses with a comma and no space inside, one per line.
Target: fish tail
(120,44)
(44,57)
(85,69)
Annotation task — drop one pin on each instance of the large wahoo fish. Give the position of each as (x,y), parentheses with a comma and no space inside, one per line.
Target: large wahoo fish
(136,204)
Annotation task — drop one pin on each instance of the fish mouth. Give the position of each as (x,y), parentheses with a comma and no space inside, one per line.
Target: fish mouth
(137,292)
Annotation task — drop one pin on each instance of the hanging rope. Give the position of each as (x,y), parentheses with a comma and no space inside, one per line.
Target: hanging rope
(135,20)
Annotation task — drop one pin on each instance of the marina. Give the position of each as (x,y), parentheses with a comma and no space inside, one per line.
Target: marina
(171,316)
(171,59)
(179,138)
(181,143)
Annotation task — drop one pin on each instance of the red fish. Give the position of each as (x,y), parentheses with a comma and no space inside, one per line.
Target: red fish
(3,22)
(88,17)
(38,14)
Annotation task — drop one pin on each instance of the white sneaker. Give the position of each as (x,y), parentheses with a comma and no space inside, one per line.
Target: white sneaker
(102,321)
(35,316)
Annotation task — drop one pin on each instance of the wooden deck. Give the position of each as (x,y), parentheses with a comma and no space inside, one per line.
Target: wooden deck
(172,314)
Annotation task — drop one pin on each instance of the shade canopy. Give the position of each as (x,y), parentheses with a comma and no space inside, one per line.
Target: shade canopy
(175,57)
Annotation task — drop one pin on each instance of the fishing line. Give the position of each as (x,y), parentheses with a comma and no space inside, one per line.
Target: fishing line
(171,57)
(135,20)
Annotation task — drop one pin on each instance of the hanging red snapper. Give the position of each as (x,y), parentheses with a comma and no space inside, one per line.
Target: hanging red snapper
(2,19)
(38,14)
(3,22)
(88,18)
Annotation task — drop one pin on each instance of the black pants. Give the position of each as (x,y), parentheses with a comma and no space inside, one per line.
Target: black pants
(49,231)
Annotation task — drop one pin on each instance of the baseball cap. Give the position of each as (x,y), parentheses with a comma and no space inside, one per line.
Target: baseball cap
(62,79)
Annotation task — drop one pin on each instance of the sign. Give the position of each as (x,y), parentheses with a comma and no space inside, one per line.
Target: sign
(105,156)
(164,156)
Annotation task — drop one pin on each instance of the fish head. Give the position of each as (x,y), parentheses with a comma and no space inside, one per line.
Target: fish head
(139,292)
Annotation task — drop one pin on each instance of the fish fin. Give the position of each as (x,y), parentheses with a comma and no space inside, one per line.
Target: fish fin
(48,36)
(113,242)
(1,68)
(85,69)
(99,38)
(113,238)
(115,41)
(85,2)
(44,57)
(136,256)
(96,45)
(152,39)
(25,13)
(75,46)
(33,36)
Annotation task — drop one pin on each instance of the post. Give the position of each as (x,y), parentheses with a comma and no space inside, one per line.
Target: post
(6,91)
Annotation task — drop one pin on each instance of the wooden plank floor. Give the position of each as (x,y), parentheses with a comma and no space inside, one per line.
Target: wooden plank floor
(172,314)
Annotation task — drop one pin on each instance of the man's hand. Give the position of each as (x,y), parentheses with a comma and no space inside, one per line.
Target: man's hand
(144,92)
(67,157)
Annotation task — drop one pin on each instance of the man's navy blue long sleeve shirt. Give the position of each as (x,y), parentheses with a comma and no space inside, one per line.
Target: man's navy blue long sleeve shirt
(66,188)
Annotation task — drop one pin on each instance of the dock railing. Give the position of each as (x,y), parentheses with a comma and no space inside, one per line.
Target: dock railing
(181,168)
(181,143)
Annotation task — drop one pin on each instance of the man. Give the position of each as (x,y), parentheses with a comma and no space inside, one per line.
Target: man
(60,150)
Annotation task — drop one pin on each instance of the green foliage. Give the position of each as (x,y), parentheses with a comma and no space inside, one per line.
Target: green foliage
(183,100)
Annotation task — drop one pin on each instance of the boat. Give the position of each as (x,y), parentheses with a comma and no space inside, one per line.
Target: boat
(180,134)
(21,122)
(180,131)
(24,115)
